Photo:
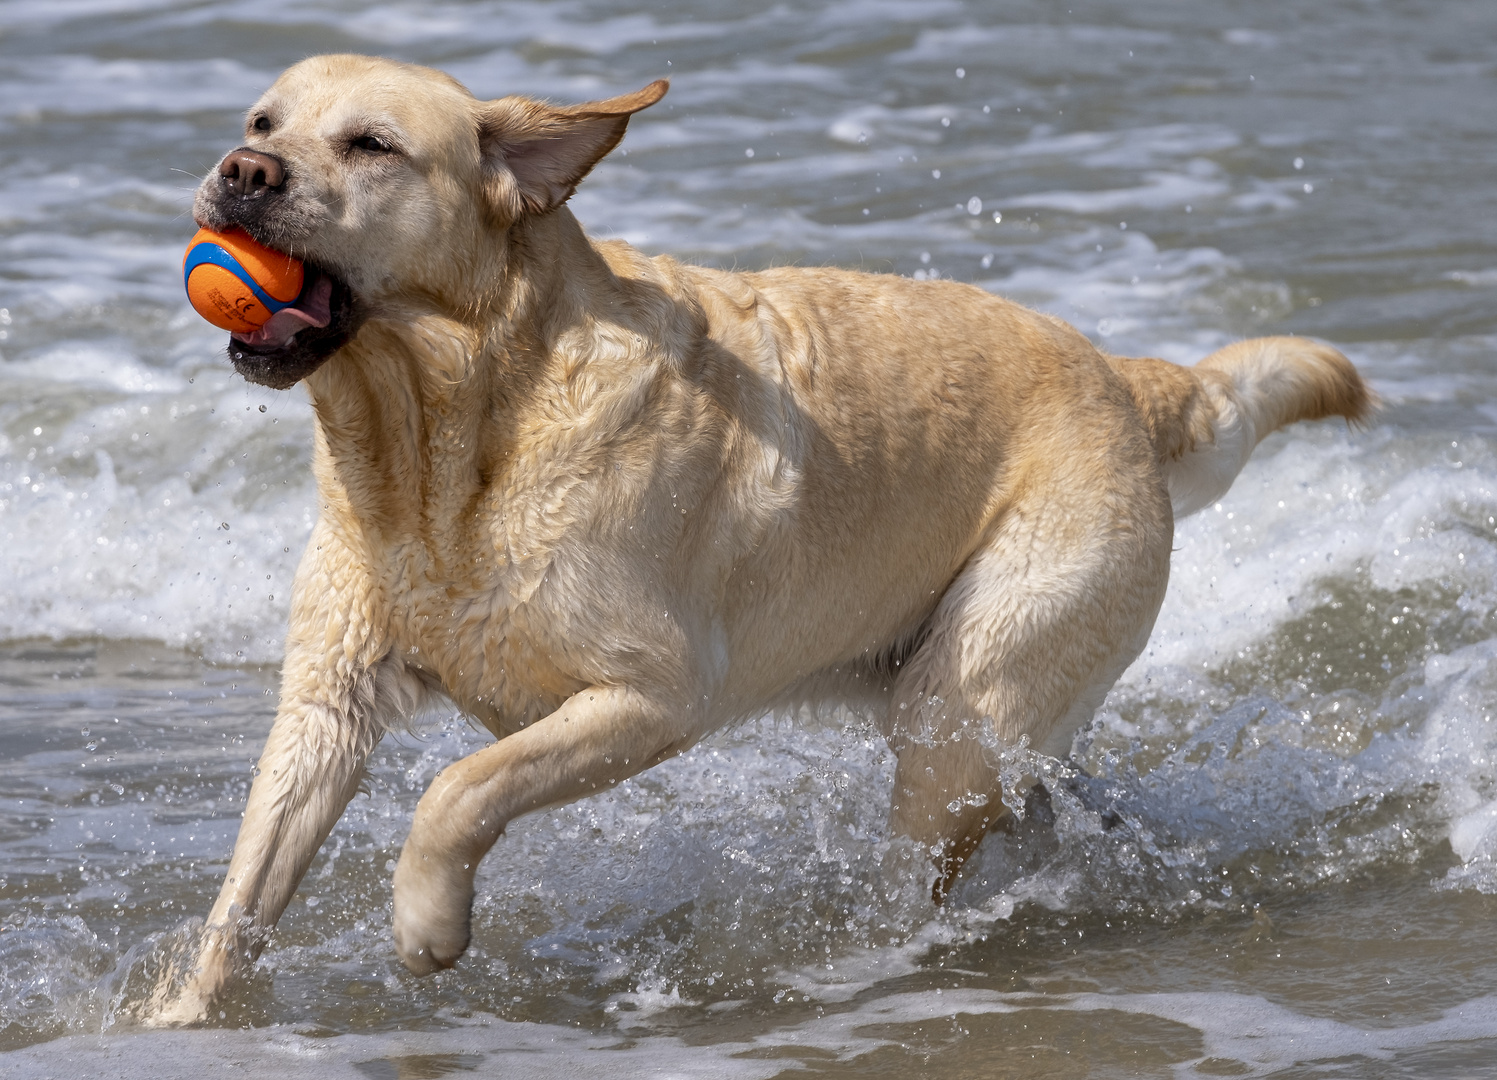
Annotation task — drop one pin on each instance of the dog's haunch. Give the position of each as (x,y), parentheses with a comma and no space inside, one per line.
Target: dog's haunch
(237,283)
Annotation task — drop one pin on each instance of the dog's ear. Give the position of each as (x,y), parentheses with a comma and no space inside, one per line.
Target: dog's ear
(535,155)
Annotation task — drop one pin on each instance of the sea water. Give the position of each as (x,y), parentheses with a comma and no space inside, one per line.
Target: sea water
(1273,854)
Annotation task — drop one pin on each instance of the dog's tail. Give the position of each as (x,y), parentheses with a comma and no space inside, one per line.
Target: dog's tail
(1205,420)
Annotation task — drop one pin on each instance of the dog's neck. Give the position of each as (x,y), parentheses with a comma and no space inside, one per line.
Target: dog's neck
(419,418)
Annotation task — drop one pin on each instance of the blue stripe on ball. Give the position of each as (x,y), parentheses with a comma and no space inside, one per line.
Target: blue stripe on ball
(208,252)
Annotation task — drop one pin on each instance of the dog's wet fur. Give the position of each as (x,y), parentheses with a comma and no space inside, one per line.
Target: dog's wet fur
(608,503)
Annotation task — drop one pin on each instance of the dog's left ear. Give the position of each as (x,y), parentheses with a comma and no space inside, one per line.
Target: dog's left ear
(535,155)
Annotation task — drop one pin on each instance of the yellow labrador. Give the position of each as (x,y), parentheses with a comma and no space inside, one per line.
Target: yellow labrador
(608,503)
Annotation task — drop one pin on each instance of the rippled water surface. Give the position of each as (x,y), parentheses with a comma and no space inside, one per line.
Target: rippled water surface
(1274,854)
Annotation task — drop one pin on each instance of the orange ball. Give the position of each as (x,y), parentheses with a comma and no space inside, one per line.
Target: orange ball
(236,282)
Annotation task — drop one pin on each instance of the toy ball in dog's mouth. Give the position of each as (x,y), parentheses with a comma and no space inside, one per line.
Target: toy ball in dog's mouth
(263,297)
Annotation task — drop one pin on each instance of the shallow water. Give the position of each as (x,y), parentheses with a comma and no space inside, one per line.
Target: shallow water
(1274,854)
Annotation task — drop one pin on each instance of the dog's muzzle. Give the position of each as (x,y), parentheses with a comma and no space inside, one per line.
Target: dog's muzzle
(252,189)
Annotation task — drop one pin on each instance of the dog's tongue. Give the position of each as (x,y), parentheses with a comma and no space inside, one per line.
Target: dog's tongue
(312,308)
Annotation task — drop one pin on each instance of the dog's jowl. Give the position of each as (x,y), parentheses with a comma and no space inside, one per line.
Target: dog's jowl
(608,503)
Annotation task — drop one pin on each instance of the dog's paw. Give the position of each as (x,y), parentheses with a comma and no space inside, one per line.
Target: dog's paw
(187,1007)
(176,981)
(433,907)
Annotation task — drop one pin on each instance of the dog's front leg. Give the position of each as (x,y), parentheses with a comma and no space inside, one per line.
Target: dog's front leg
(598,737)
(338,692)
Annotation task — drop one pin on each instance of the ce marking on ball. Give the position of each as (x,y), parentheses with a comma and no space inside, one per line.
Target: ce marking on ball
(244,305)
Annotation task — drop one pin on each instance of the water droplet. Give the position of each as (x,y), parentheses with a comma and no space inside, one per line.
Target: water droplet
(936,173)
(961,73)
(262,408)
(1299,163)
(749,152)
(997,217)
(974,206)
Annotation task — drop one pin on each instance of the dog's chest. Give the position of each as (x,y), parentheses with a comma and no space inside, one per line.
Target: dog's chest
(489,638)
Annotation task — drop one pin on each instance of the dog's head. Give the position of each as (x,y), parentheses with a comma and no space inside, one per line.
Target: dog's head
(397,189)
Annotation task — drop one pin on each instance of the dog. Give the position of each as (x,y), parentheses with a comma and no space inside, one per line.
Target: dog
(608,503)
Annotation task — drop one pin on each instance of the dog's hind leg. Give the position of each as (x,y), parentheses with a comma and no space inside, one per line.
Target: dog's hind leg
(1026,641)
(598,737)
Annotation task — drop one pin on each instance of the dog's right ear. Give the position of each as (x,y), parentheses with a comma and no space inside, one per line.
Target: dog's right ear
(535,155)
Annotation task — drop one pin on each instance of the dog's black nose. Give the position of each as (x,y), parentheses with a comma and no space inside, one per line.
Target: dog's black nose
(247,173)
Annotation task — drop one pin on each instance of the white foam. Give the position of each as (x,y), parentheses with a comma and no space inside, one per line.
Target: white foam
(89,85)
(1159,191)
(920,124)
(144,507)
(942,45)
(1318,503)
(1477,279)
(90,367)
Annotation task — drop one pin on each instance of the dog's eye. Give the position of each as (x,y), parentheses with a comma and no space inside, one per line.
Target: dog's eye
(371,143)
(262,123)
